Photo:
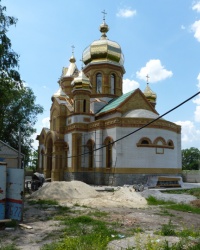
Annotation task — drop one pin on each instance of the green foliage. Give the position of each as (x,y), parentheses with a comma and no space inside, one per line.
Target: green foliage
(172,205)
(191,159)
(168,229)
(8,58)
(43,202)
(185,208)
(17,103)
(188,232)
(8,247)
(33,161)
(151,200)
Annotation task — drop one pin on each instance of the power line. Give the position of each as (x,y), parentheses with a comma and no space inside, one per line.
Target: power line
(123,137)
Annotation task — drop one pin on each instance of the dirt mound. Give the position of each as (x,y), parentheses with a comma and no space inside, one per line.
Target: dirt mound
(80,193)
(62,190)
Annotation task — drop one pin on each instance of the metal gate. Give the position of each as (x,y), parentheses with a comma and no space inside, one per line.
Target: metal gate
(11,192)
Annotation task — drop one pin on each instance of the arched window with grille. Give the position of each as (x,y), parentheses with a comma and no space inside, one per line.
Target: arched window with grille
(112,84)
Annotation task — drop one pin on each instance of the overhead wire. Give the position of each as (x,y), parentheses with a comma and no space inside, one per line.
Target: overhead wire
(136,130)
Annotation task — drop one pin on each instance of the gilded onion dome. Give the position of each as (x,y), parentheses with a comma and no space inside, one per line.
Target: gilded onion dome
(81,82)
(150,95)
(103,49)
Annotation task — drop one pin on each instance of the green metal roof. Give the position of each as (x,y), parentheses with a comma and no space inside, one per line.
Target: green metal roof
(114,103)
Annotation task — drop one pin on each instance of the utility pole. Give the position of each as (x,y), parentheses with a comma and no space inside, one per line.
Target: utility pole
(19,150)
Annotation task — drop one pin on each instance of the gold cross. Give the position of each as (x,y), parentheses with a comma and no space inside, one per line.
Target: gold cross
(104,14)
(147,78)
(73,49)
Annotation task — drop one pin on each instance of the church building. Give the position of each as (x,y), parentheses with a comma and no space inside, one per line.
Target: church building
(101,136)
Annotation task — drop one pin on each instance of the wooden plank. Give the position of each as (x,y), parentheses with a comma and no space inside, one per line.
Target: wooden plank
(5,220)
(168,179)
(25,226)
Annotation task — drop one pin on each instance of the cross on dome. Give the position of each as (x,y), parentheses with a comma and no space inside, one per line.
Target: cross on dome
(147,76)
(73,47)
(104,15)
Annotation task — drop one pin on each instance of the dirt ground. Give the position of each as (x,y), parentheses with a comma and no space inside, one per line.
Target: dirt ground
(45,230)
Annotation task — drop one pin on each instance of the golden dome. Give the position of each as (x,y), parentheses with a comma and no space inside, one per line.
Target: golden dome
(103,50)
(150,95)
(81,82)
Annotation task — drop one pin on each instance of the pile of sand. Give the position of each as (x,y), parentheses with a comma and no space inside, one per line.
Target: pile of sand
(62,190)
(80,193)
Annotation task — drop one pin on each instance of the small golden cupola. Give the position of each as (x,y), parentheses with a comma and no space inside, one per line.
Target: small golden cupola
(68,75)
(149,94)
(81,93)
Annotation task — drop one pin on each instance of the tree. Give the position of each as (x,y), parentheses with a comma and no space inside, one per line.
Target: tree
(191,159)
(33,163)
(17,102)
(8,58)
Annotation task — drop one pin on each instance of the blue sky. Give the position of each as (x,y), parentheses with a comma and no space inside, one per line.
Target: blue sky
(160,38)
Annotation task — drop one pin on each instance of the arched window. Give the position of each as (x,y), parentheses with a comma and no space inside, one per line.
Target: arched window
(170,143)
(112,84)
(144,142)
(84,105)
(160,144)
(99,83)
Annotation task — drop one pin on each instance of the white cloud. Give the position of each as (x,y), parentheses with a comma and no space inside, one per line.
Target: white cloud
(154,70)
(129,85)
(35,142)
(196,7)
(198,78)
(197,114)
(190,135)
(182,27)
(126,13)
(197,102)
(45,122)
(196,29)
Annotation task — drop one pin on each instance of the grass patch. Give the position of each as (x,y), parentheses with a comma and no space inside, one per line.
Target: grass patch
(83,233)
(172,205)
(43,202)
(98,214)
(8,247)
(193,191)
(151,200)
(168,229)
(185,208)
